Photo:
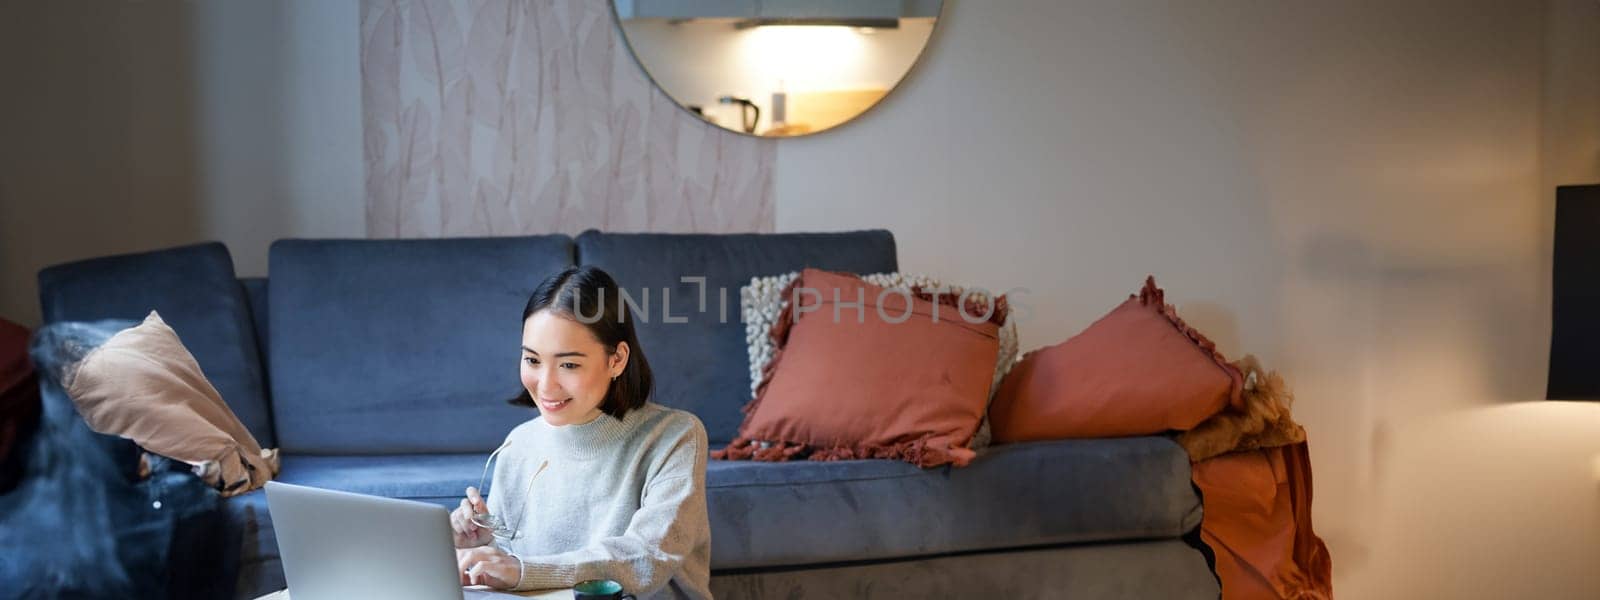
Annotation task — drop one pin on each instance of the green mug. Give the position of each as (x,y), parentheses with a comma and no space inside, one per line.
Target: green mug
(599,589)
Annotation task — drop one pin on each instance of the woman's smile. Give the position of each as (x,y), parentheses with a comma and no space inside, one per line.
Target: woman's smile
(553,405)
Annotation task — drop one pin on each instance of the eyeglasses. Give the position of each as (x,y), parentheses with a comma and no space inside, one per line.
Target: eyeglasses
(497,524)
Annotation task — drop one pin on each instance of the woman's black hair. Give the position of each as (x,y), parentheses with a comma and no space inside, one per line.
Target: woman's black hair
(590,297)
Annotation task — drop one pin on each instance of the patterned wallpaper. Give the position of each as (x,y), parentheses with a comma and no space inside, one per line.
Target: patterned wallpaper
(498,117)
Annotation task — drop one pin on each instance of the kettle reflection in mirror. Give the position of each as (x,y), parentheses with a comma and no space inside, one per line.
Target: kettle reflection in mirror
(746,107)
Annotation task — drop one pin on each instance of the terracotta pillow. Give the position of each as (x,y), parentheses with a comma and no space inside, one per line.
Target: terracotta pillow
(144,385)
(1139,370)
(885,380)
(763,299)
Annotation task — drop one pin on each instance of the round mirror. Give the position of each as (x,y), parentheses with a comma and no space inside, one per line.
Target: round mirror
(776,68)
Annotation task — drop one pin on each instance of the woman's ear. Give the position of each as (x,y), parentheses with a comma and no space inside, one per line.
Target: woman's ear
(619,360)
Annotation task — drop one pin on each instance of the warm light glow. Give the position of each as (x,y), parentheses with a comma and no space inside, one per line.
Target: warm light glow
(826,70)
(803,57)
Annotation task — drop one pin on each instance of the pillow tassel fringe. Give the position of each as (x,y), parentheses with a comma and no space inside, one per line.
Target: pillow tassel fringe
(918,451)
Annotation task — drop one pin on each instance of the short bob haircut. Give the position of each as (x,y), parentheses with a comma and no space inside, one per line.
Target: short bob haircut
(590,297)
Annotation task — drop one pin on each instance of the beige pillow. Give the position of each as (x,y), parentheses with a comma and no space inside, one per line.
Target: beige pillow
(142,384)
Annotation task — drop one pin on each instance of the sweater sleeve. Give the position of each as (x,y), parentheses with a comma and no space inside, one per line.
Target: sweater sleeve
(670,522)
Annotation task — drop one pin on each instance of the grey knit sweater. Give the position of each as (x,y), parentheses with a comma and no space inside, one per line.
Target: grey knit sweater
(619,499)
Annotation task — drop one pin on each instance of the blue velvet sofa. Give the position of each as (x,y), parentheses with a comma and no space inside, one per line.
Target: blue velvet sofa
(383,366)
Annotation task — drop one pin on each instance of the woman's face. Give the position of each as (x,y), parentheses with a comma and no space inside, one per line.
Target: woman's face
(566,369)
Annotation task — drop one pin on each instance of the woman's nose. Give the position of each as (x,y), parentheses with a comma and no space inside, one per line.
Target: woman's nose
(547,387)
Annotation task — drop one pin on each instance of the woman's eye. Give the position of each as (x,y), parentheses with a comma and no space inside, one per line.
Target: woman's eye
(569,365)
(530,360)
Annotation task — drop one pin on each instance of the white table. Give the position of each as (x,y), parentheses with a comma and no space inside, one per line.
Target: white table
(476,592)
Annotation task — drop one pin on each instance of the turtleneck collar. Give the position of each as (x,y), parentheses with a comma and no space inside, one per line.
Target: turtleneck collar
(593,438)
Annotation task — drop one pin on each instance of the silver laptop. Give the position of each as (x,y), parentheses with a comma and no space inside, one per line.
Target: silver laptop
(340,546)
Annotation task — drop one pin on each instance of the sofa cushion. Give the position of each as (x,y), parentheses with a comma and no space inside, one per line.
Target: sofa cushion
(195,290)
(1036,493)
(807,513)
(437,478)
(701,362)
(1165,569)
(255,293)
(401,346)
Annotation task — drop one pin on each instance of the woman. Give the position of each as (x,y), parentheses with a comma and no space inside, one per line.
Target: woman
(602,484)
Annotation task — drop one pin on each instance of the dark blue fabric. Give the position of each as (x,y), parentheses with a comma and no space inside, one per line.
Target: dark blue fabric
(437,478)
(702,365)
(766,515)
(1030,494)
(57,347)
(194,289)
(401,346)
(1139,570)
(1133,570)
(1164,569)
(82,524)
(255,293)
(257,569)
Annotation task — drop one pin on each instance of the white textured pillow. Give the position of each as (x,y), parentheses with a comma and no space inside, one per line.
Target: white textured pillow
(762,301)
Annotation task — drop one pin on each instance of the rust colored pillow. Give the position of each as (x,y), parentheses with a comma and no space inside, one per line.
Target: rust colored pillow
(1139,370)
(882,380)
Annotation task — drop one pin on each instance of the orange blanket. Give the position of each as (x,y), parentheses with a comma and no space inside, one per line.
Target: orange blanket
(1253,469)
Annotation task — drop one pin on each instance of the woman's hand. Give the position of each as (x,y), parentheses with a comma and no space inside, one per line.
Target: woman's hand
(466,533)
(488,565)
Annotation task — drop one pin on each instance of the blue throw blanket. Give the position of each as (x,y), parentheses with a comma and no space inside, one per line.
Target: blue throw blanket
(82,523)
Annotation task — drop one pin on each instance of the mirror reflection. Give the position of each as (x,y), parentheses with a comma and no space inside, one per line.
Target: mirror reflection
(777,67)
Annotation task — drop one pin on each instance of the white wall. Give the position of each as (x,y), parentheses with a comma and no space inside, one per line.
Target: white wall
(136,125)
(1356,192)
(279,93)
